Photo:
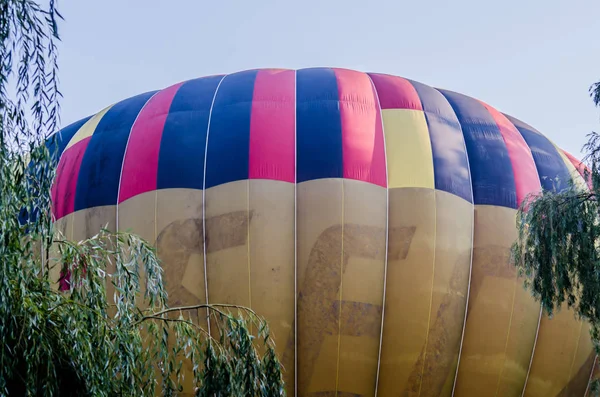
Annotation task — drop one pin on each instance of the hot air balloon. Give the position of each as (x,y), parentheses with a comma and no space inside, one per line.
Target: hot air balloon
(367,217)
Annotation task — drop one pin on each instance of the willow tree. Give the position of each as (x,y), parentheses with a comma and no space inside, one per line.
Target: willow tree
(79,339)
(558,244)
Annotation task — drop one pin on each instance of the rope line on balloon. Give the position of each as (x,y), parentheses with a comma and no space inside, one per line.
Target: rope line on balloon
(337,373)
(125,155)
(462,338)
(537,331)
(248,245)
(155,216)
(295,234)
(587,389)
(204,202)
(512,311)
(532,352)
(432,285)
(575,351)
(387,218)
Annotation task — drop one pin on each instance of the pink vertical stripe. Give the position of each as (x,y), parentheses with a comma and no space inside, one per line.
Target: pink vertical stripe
(527,180)
(581,168)
(140,165)
(273,126)
(362,129)
(65,185)
(395,92)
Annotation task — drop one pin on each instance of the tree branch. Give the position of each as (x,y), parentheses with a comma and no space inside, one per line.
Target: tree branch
(212,306)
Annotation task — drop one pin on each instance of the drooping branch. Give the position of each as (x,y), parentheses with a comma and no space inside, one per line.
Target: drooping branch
(211,306)
(557,250)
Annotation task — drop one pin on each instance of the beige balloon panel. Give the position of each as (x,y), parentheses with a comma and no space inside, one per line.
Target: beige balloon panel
(341,236)
(427,278)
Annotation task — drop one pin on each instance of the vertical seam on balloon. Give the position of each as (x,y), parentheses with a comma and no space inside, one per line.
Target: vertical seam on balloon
(574,354)
(512,311)
(337,375)
(515,173)
(591,375)
(123,161)
(248,241)
(510,160)
(462,338)
(295,234)
(532,351)
(248,203)
(155,214)
(537,331)
(432,270)
(387,218)
(204,204)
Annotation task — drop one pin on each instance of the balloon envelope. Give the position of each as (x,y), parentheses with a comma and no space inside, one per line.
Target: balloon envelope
(368,217)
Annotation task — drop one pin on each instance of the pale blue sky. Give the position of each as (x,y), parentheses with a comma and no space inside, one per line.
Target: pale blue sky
(533,59)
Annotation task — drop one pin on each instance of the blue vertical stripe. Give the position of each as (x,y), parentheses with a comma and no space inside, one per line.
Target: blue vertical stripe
(554,174)
(181,157)
(98,182)
(450,161)
(229,131)
(318,125)
(491,168)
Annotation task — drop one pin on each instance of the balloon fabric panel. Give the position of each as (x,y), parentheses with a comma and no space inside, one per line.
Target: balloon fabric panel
(59,141)
(310,175)
(87,129)
(140,163)
(408,147)
(318,125)
(547,160)
(581,168)
(363,151)
(65,185)
(395,92)
(229,130)
(100,171)
(183,144)
(273,126)
(525,173)
(450,162)
(493,181)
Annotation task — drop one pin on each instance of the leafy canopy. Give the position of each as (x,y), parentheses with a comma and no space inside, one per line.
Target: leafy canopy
(109,330)
(558,243)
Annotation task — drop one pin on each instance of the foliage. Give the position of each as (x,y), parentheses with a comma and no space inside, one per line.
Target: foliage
(557,250)
(110,332)
(558,243)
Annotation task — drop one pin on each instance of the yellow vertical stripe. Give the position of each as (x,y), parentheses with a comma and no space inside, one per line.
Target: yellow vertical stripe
(408,148)
(88,128)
